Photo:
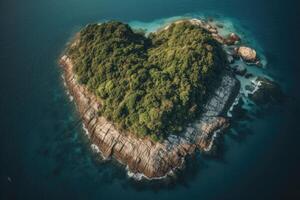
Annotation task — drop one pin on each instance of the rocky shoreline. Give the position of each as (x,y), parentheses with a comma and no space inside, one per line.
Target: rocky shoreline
(142,156)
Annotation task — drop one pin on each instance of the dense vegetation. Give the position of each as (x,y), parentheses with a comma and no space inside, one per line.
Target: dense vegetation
(148,85)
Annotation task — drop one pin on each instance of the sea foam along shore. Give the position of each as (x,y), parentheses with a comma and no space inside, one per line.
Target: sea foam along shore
(142,156)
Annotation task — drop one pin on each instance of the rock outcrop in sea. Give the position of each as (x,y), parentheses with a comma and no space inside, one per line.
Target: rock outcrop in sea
(267,91)
(247,54)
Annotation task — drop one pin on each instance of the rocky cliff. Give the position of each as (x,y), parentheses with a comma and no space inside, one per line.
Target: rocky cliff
(142,156)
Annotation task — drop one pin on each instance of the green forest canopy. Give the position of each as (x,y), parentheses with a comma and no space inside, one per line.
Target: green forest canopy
(149,85)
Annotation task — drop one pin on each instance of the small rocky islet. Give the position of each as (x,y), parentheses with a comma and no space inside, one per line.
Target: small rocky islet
(166,140)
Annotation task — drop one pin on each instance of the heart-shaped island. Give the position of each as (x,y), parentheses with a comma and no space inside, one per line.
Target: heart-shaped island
(150,100)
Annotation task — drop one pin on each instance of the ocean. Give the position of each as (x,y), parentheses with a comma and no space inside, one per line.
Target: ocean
(45,153)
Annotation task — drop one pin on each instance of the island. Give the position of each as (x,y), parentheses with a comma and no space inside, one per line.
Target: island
(149,100)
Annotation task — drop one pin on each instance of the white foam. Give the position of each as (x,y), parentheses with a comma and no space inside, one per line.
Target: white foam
(211,142)
(95,148)
(256,84)
(236,102)
(71,98)
(135,176)
(86,131)
(64,80)
(140,176)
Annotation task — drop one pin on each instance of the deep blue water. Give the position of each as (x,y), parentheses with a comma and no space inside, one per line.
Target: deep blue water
(47,156)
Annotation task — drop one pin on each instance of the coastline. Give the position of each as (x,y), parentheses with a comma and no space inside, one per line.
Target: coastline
(142,156)
(47,153)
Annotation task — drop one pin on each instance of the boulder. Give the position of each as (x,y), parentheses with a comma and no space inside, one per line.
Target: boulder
(267,92)
(232,52)
(248,75)
(258,63)
(249,88)
(230,59)
(240,70)
(247,54)
(235,37)
(232,39)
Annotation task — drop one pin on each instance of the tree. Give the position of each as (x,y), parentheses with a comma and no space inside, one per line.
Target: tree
(150,86)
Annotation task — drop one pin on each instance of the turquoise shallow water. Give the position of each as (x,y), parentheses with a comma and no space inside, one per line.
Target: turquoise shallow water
(45,152)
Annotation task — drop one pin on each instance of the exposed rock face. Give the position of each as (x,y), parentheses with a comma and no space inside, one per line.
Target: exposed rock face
(247,54)
(231,39)
(207,26)
(142,155)
(203,24)
(210,125)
